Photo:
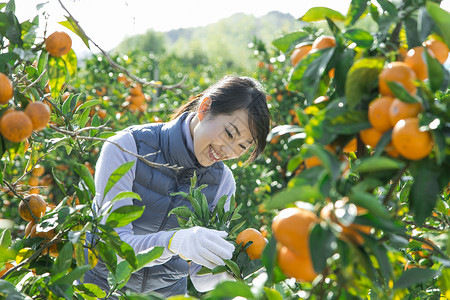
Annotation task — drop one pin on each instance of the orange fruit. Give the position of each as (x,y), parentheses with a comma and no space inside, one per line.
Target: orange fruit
(6,89)
(291,227)
(370,136)
(101,91)
(410,141)
(351,146)
(401,110)
(416,60)
(6,268)
(102,113)
(252,235)
(58,43)
(28,228)
(439,49)
(38,170)
(398,72)
(298,266)
(39,114)
(16,126)
(324,41)
(33,181)
(36,204)
(378,113)
(299,53)
(136,90)
(313,161)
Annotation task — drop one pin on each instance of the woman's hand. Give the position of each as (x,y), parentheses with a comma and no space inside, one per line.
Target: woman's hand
(203,246)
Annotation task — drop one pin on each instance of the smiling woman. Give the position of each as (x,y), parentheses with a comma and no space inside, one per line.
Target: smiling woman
(224,122)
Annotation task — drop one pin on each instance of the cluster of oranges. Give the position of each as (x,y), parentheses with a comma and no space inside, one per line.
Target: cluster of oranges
(302,50)
(32,213)
(387,112)
(136,100)
(291,228)
(17,125)
(258,240)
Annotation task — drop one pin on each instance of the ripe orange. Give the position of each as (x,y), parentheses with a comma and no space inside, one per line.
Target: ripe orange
(401,110)
(38,170)
(378,113)
(291,227)
(294,265)
(7,267)
(324,41)
(6,89)
(58,43)
(351,146)
(410,141)
(252,235)
(37,205)
(39,114)
(28,228)
(299,53)
(16,126)
(33,181)
(136,90)
(416,60)
(370,136)
(439,49)
(102,113)
(398,72)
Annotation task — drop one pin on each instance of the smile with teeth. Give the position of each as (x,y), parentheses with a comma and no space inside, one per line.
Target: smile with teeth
(214,154)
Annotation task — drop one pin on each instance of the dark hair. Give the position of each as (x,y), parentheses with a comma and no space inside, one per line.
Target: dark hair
(233,93)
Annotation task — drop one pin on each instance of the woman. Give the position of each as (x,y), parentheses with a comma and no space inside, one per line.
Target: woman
(224,122)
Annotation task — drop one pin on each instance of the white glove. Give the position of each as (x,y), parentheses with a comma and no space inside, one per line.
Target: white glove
(207,282)
(203,246)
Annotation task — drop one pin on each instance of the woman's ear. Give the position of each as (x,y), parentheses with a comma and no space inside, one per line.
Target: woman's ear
(203,108)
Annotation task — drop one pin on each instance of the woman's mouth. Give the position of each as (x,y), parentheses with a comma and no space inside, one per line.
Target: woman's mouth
(213,154)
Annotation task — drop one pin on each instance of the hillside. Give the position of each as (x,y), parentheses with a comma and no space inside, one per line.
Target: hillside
(228,38)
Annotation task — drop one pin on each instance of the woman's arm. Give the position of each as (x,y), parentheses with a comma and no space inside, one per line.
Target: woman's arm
(203,283)
(111,157)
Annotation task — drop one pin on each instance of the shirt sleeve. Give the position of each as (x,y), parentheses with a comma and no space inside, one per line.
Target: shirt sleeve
(227,186)
(111,157)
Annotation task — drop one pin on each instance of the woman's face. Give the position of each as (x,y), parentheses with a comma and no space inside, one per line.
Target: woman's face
(220,137)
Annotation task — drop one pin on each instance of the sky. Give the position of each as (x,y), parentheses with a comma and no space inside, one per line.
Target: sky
(108,22)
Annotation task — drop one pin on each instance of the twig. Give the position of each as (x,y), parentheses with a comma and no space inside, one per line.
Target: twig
(116,65)
(34,82)
(396,180)
(75,136)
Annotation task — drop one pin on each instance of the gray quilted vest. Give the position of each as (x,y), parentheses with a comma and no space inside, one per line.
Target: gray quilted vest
(155,185)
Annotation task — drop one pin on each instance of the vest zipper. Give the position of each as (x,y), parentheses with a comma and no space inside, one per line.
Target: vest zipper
(166,218)
(144,280)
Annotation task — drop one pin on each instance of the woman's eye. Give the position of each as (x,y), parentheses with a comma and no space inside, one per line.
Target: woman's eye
(229,134)
(243,147)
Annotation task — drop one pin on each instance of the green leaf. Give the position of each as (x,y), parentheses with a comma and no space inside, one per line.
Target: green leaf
(84,173)
(63,261)
(233,267)
(83,118)
(116,175)
(124,215)
(123,273)
(401,93)
(57,74)
(357,9)
(182,211)
(272,294)
(388,7)
(205,270)
(436,74)
(424,192)
(124,195)
(380,252)
(5,238)
(9,291)
(305,193)
(329,160)
(442,19)
(205,209)
(412,33)
(122,249)
(72,25)
(73,275)
(289,40)
(362,80)
(217,270)
(88,104)
(236,227)
(321,245)
(229,290)
(415,276)
(360,37)
(252,267)
(380,163)
(313,73)
(320,14)
(108,256)
(147,256)
(91,290)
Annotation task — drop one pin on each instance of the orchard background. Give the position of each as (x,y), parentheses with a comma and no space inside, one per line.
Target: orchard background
(351,195)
